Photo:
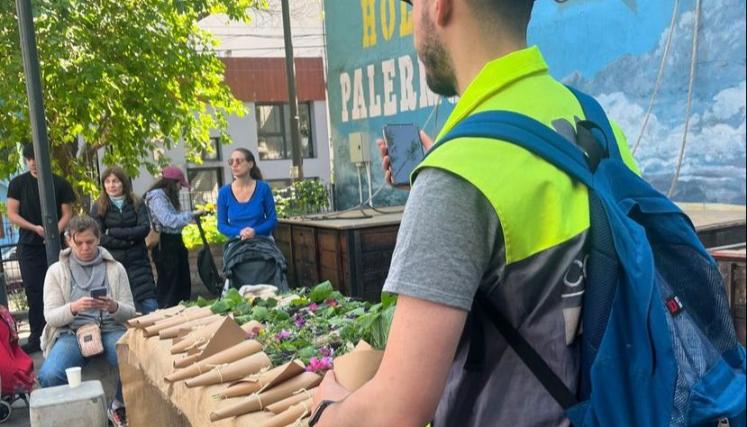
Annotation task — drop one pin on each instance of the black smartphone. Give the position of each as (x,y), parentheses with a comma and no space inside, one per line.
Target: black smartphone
(405,150)
(98,293)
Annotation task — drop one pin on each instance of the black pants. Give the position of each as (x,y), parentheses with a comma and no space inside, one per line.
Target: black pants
(172,265)
(32,260)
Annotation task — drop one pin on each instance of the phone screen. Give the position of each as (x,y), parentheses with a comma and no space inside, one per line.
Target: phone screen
(98,293)
(405,151)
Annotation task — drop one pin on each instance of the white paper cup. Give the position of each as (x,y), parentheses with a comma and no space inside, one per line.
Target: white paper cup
(73,376)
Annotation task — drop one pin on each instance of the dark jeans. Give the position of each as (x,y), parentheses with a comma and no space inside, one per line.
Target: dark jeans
(32,260)
(172,265)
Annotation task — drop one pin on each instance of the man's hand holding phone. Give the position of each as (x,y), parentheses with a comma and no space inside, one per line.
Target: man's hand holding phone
(386,161)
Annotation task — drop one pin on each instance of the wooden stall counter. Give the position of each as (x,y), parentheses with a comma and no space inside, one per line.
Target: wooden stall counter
(352,250)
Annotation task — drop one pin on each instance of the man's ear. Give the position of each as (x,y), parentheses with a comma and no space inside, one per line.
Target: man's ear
(444,9)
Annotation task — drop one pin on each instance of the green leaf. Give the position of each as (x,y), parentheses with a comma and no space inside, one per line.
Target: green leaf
(202,302)
(321,292)
(233,298)
(220,307)
(243,309)
(388,299)
(261,314)
(306,353)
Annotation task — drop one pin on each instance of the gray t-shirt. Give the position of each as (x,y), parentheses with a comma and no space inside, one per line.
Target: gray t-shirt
(446,241)
(450,244)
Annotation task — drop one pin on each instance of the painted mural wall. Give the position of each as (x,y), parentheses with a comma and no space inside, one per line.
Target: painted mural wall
(635,56)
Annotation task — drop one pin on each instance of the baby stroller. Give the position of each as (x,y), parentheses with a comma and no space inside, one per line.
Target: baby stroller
(16,367)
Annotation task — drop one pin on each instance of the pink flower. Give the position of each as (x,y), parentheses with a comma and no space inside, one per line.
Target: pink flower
(316,365)
(283,335)
(313,307)
(332,302)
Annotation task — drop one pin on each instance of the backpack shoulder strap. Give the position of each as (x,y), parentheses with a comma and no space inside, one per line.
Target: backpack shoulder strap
(527,133)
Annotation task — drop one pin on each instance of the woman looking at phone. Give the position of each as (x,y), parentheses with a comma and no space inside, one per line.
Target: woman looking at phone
(86,286)
(123,220)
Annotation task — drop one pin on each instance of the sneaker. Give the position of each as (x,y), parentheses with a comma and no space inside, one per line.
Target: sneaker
(118,417)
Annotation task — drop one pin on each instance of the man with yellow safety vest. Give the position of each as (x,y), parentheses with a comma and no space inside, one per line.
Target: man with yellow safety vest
(481,216)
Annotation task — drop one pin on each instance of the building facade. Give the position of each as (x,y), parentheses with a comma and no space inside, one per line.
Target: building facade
(254,58)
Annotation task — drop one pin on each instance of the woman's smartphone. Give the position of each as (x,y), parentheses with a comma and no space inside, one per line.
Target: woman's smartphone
(405,150)
(98,293)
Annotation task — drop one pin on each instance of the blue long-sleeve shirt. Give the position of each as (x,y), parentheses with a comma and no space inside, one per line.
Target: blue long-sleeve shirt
(258,213)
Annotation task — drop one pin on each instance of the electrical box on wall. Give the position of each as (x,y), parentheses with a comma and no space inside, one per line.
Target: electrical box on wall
(359,147)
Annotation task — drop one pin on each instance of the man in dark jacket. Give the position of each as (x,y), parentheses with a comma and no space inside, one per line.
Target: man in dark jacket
(123,221)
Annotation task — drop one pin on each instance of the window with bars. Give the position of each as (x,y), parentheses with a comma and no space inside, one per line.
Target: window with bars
(205,183)
(273,131)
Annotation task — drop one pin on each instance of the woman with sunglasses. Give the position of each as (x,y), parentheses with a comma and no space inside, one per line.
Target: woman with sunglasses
(246,208)
(246,214)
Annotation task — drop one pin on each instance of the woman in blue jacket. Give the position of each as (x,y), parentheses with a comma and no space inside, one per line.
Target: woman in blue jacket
(246,208)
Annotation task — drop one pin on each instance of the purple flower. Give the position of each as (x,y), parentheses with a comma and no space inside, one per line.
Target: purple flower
(326,352)
(316,365)
(299,320)
(283,335)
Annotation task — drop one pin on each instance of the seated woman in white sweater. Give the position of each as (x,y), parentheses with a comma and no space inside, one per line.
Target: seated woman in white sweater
(68,305)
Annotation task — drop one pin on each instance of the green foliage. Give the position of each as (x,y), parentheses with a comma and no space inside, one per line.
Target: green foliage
(132,76)
(311,325)
(191,234)
(375,324)
(303,197)
(321,292)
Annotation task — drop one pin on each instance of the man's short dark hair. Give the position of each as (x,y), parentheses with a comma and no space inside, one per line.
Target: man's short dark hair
(514,14)
(28,150)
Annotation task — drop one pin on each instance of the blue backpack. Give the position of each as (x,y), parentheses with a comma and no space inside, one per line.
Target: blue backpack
(658,346)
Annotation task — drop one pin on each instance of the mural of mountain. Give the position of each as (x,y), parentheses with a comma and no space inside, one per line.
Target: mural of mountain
(714,165)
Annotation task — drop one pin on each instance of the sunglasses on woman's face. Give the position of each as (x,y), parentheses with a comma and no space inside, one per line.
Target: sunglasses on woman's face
(236,161)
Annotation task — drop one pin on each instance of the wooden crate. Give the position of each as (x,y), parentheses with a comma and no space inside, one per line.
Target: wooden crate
(733,266)
(351,252)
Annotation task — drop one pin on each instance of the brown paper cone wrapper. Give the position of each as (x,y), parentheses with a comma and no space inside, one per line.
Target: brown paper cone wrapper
(290,415)
(263,381)
(251,326)
(303,423)
(152,318)
(174,331)
(187,360)
(286,403)
(259,401)
(179,319)
(233,371)
(356,368)
(196,338)
(245,349)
